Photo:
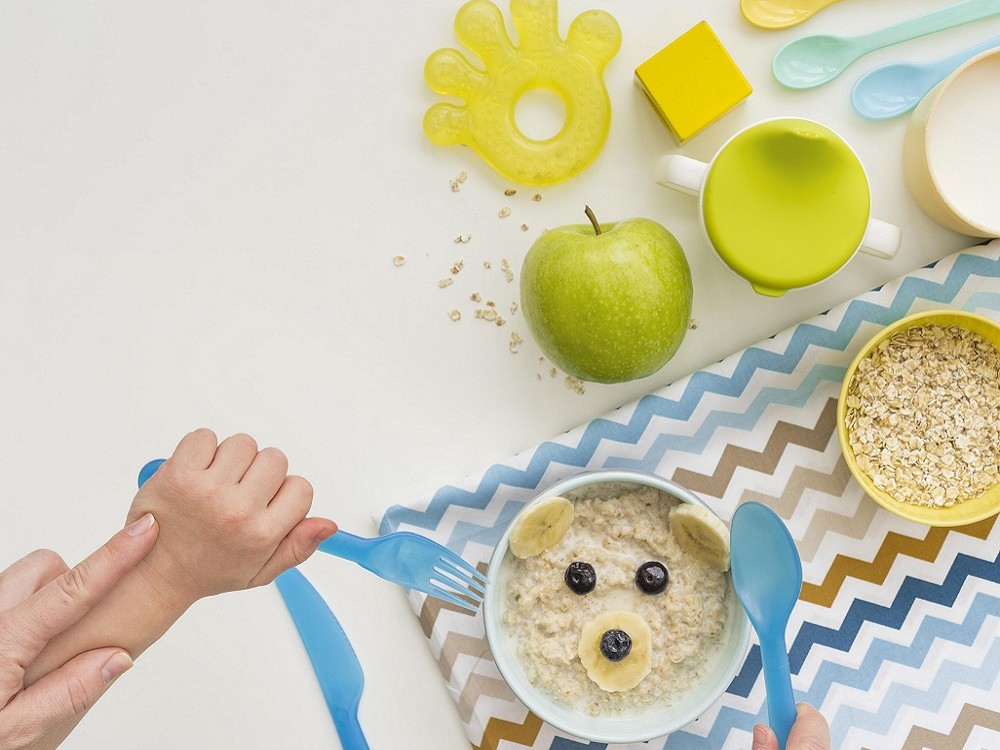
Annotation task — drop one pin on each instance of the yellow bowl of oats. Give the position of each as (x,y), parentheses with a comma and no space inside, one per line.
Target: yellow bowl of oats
(919,418)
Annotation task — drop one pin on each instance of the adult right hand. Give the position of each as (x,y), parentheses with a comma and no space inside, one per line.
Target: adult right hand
(39,599)
(809,732)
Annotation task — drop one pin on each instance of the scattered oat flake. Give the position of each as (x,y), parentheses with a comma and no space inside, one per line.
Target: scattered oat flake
(538,376)
(490,303)
(504,212)
(513,307)
(536,197)
(553,372)
(487,265)
(488,314)
(462,239)
(457,266)
(515,341)
(456,184)
(693,324)
(445,282)
(509,191)
(500,321)
(507,272)
(475,297)
(455,315)
(524,227)
(399,260)
(575,384)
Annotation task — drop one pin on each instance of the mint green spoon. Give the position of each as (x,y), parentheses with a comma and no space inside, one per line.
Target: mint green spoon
(813,60)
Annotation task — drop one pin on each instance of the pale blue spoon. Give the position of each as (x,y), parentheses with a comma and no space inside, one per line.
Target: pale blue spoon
(895,88)
(767,577)
(813,60)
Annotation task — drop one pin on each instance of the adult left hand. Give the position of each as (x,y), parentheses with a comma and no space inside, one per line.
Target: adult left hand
(40,597)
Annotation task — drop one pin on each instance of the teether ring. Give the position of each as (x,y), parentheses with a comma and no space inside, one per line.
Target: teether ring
(572,69)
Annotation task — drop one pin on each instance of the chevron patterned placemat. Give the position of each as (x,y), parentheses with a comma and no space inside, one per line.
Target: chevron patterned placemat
(896,636)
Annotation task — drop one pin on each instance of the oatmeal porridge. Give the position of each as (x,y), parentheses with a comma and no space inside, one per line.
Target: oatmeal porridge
(622,534)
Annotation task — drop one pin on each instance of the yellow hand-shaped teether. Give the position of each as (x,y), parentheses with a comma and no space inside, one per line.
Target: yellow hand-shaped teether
(572,69)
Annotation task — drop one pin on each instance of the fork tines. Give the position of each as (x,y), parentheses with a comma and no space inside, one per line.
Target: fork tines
(459,583)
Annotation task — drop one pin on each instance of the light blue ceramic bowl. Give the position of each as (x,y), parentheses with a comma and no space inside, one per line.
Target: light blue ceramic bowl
(659,722)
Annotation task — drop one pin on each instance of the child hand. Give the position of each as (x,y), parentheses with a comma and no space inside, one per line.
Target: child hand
(230,517)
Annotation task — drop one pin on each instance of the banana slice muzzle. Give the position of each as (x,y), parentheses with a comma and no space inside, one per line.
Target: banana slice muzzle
(616,650)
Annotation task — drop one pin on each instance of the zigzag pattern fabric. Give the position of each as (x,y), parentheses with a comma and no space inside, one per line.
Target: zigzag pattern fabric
(896,635)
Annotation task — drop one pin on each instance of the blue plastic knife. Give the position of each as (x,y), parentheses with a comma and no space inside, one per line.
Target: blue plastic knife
(333,659)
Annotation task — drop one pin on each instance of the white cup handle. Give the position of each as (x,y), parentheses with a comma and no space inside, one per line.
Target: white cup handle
(680,173)
(881,239)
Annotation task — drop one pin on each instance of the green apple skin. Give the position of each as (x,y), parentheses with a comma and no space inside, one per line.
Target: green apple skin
(607,307)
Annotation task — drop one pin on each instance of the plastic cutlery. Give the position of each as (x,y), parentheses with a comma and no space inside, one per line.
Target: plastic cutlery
(813,60)
(895,88)
(409,560)
(780,14)
(333,659)
(414,562)
(767,577)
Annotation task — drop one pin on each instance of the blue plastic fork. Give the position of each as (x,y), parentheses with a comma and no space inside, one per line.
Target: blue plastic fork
(414,562)
(409,560)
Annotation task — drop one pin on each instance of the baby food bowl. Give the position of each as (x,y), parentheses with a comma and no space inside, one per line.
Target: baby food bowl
(961,513)
(657,722)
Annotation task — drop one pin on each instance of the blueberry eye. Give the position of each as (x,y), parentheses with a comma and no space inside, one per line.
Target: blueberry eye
(651,577)
(580,577)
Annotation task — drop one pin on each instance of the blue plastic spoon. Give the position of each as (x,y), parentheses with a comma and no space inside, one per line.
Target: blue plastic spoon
(813,60)
(895,88)
(767,576)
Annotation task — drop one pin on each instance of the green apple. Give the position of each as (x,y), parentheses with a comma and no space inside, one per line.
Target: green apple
(607,302)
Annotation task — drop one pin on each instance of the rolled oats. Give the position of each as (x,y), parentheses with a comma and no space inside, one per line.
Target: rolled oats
(923,415)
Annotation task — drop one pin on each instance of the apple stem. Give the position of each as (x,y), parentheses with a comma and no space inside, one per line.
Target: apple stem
(593,219)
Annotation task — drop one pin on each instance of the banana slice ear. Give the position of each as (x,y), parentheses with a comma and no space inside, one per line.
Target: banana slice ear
(540,526)
(701,534)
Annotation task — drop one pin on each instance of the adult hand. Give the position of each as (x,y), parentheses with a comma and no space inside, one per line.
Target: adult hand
(39,599)
(809,732)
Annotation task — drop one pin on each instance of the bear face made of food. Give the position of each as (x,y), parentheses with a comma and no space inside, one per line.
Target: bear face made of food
(616,601)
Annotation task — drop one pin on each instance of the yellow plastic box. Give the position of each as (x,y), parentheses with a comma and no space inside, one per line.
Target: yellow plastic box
(692,82)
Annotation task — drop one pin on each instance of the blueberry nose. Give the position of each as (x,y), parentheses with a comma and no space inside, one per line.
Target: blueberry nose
(615,645)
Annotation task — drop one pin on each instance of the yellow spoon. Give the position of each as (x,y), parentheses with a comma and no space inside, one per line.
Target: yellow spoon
(780,14)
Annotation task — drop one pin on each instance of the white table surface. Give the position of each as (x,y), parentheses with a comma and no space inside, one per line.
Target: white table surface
(199,207)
